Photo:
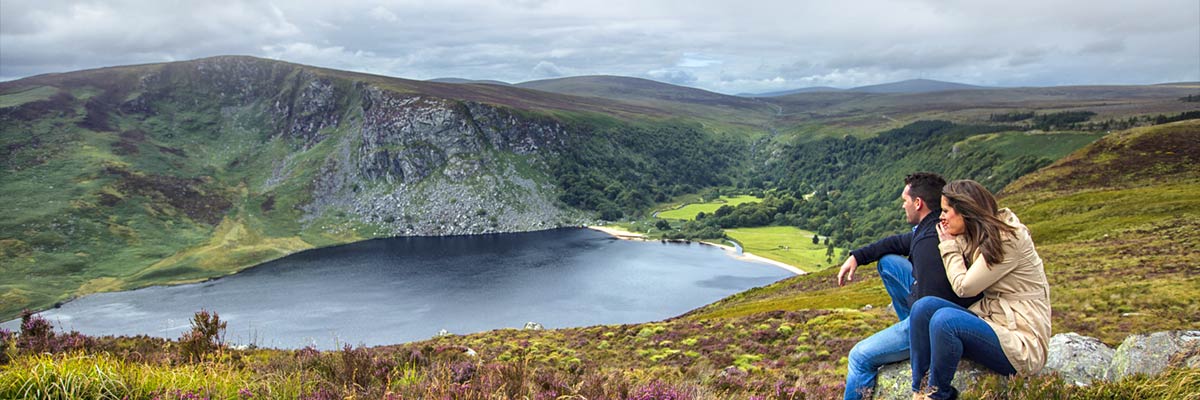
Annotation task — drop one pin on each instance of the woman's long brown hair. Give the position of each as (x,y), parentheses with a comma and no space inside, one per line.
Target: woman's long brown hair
(983,228)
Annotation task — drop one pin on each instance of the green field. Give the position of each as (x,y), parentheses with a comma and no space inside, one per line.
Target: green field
(25,96)
(689,211)
(1015,144)
(786,244)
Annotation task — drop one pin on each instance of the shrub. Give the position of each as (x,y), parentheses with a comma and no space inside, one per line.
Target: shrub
(207,335)
(657,390)
(37,336)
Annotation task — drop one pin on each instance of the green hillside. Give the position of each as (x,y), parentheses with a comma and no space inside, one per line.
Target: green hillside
(1115,223)
(112,196)
(124,177)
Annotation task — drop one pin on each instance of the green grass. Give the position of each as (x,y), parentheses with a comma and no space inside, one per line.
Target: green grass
(1014,144)
(688,212)
(786,244)
(27,96)
(103,376)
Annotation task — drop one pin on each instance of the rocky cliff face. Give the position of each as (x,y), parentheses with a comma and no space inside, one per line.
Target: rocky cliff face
(417,165)
(405,163)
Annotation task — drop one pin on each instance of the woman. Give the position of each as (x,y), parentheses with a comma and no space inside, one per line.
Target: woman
(985,250)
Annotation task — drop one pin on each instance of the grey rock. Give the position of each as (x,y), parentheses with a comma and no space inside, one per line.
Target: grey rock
(1151,354)
(1077,359)
(443,332)
(533,326)
(895,379)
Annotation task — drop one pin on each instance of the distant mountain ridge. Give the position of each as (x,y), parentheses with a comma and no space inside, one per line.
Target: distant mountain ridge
(470,81)
(636,90)
(905,86)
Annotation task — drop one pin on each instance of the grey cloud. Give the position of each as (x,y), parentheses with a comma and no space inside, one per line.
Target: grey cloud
(1106,46)
(914,58)
(1026,57)
(711,44)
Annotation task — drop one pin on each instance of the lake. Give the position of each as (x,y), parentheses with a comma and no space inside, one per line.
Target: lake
(396,290)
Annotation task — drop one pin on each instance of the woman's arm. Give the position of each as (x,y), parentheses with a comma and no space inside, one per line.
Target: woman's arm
(971,281)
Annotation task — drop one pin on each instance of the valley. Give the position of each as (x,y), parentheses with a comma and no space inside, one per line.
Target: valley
(159,174)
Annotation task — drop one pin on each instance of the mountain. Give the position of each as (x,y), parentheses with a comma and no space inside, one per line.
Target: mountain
(470,81)
(863,114)
(124,177)
(793,91)
(906,86)
(176,172)
(680,100)
(1130,271)
(915,86)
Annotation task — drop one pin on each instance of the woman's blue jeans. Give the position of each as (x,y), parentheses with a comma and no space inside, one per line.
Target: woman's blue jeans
(942,333)
(889,345)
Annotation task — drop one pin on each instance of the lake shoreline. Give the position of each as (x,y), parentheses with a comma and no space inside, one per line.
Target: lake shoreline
(730,251)
(591,282)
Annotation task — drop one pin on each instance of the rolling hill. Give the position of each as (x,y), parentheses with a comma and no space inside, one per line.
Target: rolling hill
(681,100)
(905,86)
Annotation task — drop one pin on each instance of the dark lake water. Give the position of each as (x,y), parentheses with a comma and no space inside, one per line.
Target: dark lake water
(404,289)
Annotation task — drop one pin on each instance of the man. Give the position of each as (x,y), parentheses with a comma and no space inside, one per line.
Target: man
(906,280)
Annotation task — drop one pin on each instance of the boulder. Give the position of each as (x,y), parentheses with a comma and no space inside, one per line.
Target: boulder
(534,326)
(895,379)
(1078,359)
(1151,354)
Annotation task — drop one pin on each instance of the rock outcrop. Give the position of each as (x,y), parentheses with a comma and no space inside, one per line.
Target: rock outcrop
(895,379)
(1151,354)
(1077,359)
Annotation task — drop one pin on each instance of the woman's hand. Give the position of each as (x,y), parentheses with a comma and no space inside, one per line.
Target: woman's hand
(942,235)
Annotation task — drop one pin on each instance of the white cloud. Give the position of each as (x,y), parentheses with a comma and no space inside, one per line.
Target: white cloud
(673,76)
(383,14)
(547,69)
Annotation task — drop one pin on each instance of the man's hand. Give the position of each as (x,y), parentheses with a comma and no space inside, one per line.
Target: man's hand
(846,274)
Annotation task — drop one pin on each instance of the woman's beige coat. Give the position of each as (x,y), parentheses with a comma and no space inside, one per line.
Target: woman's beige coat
(1016,300)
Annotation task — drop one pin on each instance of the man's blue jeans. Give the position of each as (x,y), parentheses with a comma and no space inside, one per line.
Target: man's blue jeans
(889,345)
(943,333)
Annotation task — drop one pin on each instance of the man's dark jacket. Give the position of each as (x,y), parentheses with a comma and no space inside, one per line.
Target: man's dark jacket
(921,247)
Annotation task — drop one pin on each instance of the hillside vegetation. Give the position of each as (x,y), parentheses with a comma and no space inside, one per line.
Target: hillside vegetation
(131,176)
(164,173)
(1115,222)
(125,177)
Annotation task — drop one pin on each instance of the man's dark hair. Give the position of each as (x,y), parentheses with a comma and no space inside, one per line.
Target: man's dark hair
(928,187)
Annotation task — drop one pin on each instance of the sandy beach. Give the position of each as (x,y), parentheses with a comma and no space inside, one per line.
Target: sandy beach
(732,252)
(729,250)
(618,232)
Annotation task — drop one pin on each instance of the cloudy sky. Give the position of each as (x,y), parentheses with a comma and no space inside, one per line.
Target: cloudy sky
(724,46)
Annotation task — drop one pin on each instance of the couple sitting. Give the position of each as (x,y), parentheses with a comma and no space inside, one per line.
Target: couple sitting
(972,286)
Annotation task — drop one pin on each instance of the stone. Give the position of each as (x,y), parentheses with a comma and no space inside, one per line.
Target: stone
(1078,359)
(895,379)
(534,326)
(1150,354)
(443,332)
